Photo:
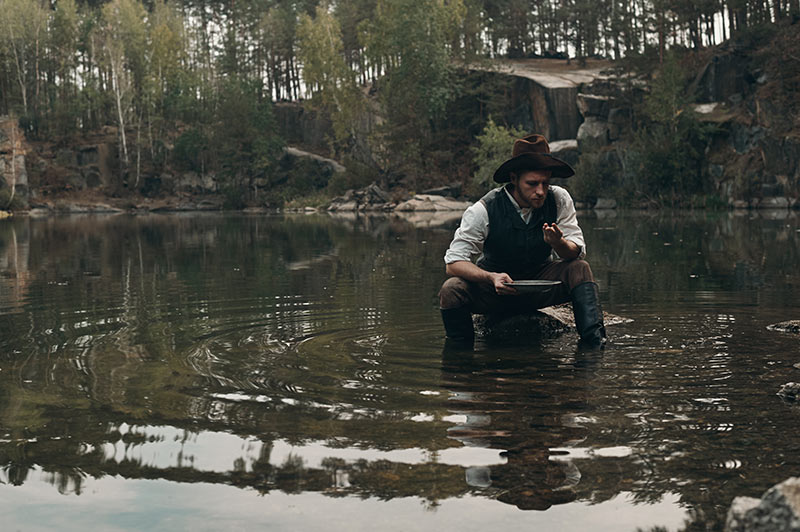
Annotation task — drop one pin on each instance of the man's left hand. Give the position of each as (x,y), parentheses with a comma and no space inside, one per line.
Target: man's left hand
(552,234)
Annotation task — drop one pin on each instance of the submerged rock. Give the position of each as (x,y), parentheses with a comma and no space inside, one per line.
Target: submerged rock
(790,391)
(791,326)
(777,511)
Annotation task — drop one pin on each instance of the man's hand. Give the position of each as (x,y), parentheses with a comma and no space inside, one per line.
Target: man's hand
(470,272)
(499,280)
(552,234)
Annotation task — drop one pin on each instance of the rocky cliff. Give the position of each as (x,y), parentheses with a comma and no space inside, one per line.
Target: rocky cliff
(748,91)
(13,171)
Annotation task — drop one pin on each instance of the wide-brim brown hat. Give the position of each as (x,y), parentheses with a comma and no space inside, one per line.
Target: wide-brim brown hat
(532,153)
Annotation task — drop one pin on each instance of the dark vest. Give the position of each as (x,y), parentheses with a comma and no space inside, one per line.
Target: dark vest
(513,246)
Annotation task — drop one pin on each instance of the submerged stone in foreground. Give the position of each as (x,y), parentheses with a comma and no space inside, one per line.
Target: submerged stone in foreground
(791,326)
(549,322)
(790,391)
(777,511)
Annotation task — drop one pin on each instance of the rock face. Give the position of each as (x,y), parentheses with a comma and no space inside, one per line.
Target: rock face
(541,98)
(593,134)
(13,173)
(722,77)
(777,511)
(751,157)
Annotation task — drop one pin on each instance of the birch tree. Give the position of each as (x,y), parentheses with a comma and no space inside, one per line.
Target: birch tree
(23,29)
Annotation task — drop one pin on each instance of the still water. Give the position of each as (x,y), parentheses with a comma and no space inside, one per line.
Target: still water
(227,372)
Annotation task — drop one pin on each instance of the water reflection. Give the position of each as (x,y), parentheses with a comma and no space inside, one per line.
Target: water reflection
(304,355)
(528,408)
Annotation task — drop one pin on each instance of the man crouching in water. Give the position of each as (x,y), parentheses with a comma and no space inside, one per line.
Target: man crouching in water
(516,227)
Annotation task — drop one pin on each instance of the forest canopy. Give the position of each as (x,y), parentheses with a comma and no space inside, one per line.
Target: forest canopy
(168,74)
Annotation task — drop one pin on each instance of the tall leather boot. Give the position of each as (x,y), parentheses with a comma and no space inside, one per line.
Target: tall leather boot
(588,316)
(458,326)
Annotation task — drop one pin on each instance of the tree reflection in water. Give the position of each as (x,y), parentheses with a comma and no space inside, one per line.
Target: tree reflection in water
(303,355)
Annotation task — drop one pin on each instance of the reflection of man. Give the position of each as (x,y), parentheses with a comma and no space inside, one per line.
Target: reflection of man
(526,408)
(517,227)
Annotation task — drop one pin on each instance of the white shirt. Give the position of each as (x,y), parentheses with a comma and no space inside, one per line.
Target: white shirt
(468,241)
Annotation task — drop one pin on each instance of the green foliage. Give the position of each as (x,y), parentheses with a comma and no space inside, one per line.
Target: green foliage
(595,176)
(9,202)
(409,41)
(664,161)
(332,81)
(668,98)
(358,175)
(190,151)
(493,148)
(244,136)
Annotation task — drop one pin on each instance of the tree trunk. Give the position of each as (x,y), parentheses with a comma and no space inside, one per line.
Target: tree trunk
(731,22)
(120,115)
(13,164)
(694,33)
(741,17)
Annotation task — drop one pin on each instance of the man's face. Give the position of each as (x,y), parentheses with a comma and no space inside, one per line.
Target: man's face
(530,188)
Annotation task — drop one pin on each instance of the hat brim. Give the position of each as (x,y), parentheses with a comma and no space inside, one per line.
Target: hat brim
(532,161)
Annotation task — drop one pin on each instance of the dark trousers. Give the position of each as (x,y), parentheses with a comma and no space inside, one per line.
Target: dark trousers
(480,298)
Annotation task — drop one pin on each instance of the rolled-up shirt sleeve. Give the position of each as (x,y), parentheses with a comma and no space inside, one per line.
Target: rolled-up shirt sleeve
(469,237)
(567,219)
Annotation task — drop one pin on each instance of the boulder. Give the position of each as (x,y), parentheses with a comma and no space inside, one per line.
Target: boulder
(593,105)
(593,133)
(790,326)
(744,138)
(790,391)
(605,203)
(70,207)
(778,202)
(452,190)
(194,183)
(371,198)
(777,511)
(428,202)
(566,150)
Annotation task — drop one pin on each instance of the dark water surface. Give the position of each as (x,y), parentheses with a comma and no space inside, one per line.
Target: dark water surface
(226,372)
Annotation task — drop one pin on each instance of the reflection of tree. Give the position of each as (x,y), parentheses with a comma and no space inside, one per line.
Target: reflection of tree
(207,323)
(671,253)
